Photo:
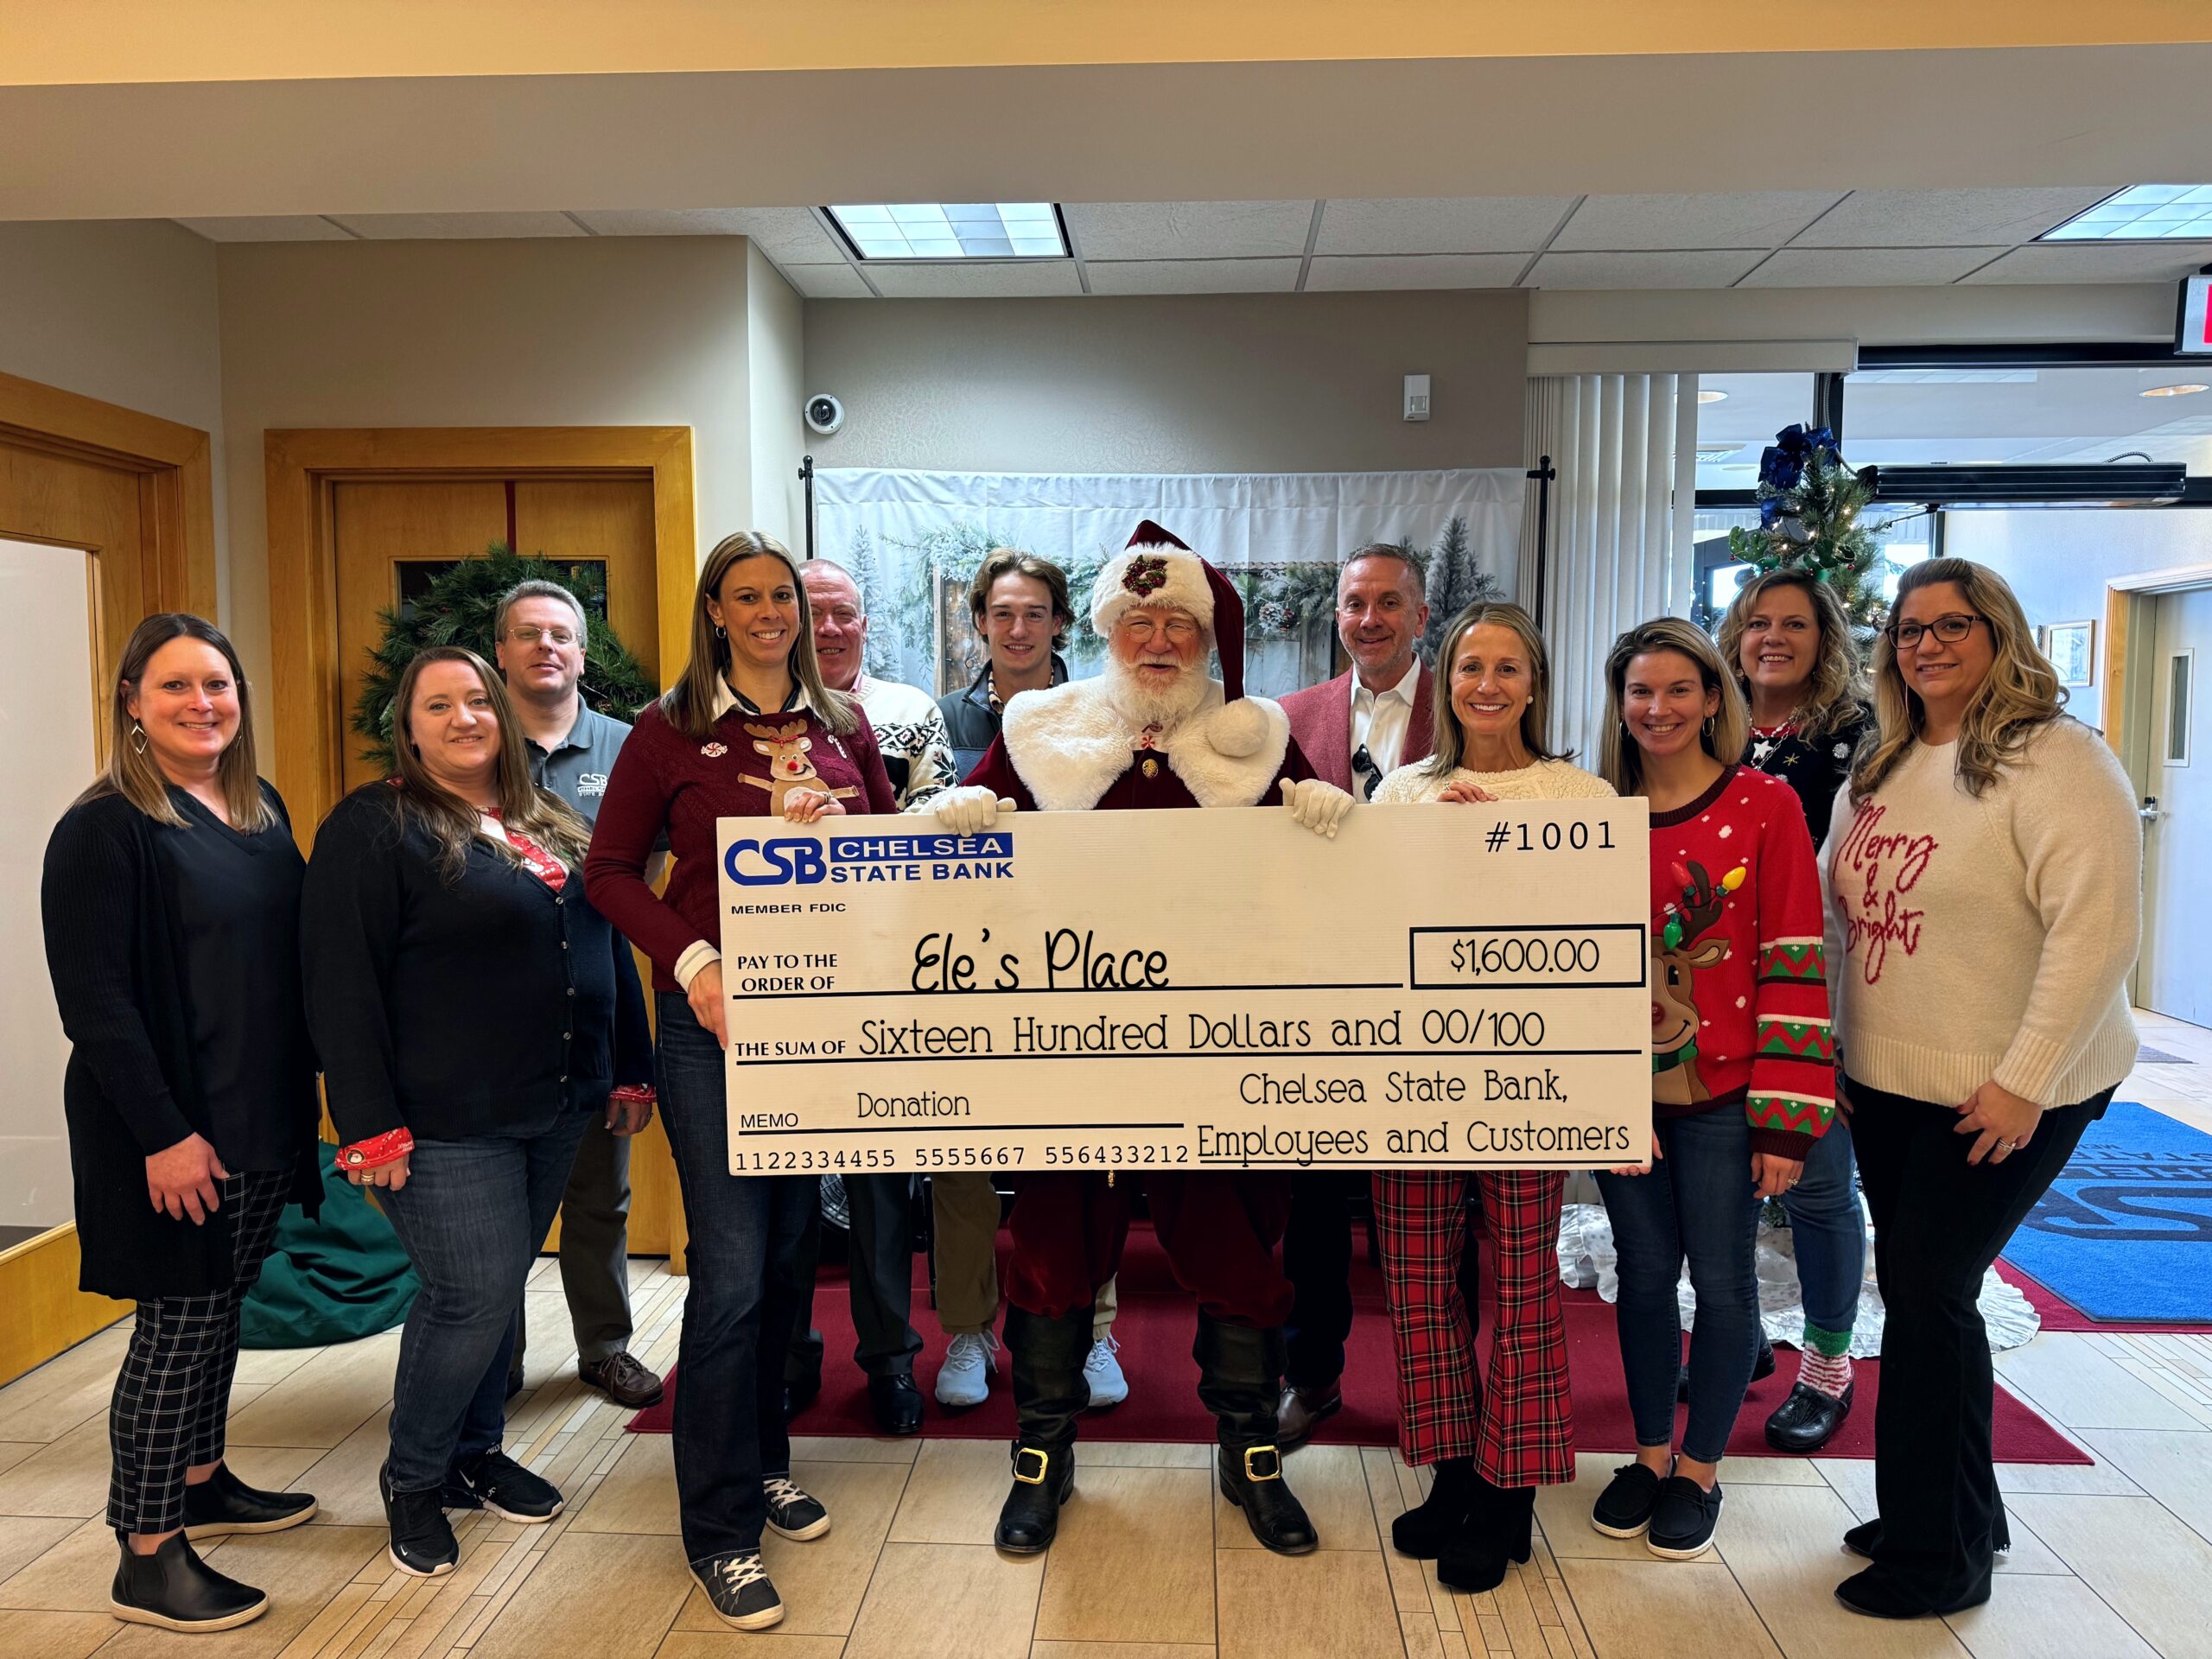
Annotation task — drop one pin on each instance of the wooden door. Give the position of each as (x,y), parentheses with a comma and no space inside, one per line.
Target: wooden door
(98,513)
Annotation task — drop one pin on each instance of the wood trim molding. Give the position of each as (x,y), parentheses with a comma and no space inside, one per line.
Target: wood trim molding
(176,466)
(2124,599)
(301,465)
(47,1314)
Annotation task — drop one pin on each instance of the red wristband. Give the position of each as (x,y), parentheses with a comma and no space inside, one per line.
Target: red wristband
(375,1152)
(634,1092)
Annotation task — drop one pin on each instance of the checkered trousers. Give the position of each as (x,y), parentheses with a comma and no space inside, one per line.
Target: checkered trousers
(1519,1426)
(174,1392)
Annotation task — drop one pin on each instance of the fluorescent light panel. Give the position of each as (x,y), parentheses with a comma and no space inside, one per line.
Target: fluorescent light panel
(2143,212)
(953,229)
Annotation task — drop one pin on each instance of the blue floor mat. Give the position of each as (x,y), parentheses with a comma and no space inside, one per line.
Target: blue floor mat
(2126,1231)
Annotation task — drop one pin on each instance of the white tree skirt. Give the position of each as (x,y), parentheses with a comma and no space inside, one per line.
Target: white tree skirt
(1585,1260)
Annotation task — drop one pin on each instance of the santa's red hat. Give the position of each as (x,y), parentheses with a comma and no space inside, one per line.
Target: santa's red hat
(1158,568)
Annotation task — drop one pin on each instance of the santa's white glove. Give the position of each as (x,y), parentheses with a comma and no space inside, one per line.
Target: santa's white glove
(1319,805)
(970,808)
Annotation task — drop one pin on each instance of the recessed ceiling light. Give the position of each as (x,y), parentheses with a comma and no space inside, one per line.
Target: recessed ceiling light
(2142,213)
(954,230)
(2187,389)
(1709,395)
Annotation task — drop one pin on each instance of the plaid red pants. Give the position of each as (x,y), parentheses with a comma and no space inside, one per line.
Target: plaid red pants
(1518,1428)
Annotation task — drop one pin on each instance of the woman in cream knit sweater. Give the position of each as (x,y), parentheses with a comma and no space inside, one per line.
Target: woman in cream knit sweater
(1492,1446)
(1984,875)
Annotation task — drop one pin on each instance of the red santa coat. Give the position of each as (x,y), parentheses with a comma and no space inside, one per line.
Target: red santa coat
(1068,750)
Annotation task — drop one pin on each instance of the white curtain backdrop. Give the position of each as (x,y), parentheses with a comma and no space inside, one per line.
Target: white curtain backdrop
(913,539)
(1620,544)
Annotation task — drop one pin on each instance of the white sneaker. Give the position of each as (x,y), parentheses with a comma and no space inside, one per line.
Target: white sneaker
(1103,1372)
(965,1378)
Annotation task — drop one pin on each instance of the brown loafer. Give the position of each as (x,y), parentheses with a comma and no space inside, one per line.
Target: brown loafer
(1300,1410)
(622,1379)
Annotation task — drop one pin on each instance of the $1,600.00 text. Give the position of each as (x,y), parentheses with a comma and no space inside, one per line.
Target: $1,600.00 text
(1186,990)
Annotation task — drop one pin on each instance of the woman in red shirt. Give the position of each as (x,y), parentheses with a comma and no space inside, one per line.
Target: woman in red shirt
(749,723)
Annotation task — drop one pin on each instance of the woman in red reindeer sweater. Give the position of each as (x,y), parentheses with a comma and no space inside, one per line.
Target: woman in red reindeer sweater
(1742,1064)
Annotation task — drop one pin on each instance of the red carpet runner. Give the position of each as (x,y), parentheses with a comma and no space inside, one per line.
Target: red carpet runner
(1157,1322)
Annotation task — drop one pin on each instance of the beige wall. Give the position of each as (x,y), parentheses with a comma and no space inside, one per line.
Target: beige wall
(776,330)
(633,332)
(1277,383)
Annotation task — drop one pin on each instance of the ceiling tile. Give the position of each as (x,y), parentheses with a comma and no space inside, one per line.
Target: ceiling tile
(958,280)
(1909,219)
(1187,229)
(306,227)
(1715,267)
(837,282)
(1752,220)
(1440,225)
(1867,267)
(417,227)
(790,236)
(1347,272)
(1191,275)
(2098,262)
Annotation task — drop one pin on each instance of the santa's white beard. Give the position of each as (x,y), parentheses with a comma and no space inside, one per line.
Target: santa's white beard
(1138,699)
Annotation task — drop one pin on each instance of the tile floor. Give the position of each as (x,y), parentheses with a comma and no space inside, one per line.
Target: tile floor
(2109,1562)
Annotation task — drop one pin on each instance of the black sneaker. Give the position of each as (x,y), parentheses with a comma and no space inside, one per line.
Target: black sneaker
(793,1512)
(739,1590)
(223,1504)
(1683,1519)
(422,1542)
(173,1589)
(1623,1508)
(494,1481)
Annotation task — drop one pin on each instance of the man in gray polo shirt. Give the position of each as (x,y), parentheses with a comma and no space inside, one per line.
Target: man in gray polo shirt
(540,632)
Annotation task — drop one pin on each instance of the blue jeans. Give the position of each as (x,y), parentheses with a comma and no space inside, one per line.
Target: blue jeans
(471,1219)
(1828,1233)
(1698,1200)
(742,1298)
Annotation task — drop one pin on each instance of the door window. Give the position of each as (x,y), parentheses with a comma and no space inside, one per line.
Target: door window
(2181,676)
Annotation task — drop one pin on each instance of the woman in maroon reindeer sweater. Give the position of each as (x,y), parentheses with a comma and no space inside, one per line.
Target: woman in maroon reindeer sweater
(750,730)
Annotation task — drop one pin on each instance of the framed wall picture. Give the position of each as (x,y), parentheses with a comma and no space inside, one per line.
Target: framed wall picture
(2072,648)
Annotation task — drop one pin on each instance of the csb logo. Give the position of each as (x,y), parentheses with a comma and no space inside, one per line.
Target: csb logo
(767,864)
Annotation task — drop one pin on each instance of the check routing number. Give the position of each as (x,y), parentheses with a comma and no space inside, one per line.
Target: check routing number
(1453,985)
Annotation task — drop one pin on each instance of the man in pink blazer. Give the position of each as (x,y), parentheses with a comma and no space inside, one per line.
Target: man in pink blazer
(1374,716)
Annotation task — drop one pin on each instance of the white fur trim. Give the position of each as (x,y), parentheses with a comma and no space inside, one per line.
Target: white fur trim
(1186,588)
(1070,746)
(1239,728)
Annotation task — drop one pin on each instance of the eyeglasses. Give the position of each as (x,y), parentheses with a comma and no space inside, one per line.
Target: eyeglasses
(1363,768)
(530,636)
(1179,629)
(1950,628)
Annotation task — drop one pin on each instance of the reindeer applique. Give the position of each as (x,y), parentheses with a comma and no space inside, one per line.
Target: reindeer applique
(1675,957)
(786,747)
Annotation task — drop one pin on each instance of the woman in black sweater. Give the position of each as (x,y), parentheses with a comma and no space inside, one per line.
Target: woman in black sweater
(463,995)
(171,906)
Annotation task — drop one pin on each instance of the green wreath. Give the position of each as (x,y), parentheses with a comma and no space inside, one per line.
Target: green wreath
(459,608)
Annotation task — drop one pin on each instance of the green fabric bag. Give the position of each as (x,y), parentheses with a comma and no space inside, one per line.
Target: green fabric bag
(332,1280)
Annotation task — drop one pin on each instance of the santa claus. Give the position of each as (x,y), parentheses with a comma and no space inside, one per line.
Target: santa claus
(1153,730)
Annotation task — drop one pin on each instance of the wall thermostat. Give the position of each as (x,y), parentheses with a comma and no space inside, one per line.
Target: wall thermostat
(1416,397)
(824,414)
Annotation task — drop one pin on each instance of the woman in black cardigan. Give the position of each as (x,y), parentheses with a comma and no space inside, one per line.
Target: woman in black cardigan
(463,996)
(171,906)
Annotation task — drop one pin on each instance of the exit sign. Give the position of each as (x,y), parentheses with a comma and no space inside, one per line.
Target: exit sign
(2194,336)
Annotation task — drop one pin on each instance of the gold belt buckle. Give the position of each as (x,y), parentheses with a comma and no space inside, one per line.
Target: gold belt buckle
(1044,1464)
(1251,1473)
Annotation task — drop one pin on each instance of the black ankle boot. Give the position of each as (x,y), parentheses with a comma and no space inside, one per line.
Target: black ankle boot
(1499,1530)
(223,1504)
(1044,1364)
(173,1589)
(1421,1530)
(1239,1380)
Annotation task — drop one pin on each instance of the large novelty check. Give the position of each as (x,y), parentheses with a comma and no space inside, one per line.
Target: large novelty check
(1444,985)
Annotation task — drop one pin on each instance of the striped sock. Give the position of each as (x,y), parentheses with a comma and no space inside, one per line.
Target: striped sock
(1829,1374)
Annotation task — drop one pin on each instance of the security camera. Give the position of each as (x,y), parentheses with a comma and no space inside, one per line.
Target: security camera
(824,414)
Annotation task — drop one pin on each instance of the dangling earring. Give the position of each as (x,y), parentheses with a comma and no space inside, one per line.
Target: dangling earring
(1708,728)
(138,738)
(721,632)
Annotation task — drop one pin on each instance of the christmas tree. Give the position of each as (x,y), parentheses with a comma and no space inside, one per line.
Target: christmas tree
(880,656)
(460,607)
(1810,508)
(1455,581)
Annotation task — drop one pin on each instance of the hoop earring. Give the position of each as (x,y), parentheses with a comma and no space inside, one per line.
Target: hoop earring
(138,738)
(721,632)
(1708,728)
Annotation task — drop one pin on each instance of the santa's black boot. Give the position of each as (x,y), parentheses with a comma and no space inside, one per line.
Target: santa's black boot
(1240,1380)
(1045,1359)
